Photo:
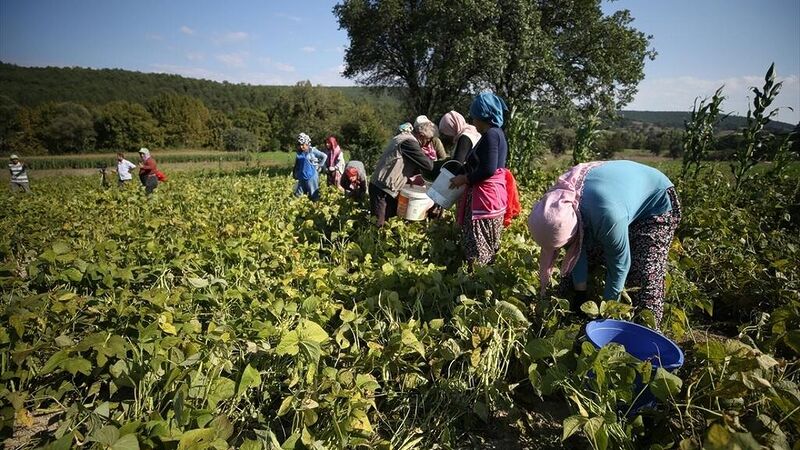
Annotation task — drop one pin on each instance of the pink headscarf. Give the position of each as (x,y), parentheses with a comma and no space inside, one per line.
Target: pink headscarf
(335,151)
(556,219)
(453,124)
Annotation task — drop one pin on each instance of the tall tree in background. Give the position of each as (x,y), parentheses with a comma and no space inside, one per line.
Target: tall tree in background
(125,126)
(560,54)
(65,127)
(183,119)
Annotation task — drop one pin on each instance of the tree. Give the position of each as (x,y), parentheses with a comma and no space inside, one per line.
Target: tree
(308,109)
(218,123)
(127,127)
(65,127)
(239,140)
(363,136)
(256,122)
(559,53)
(183,119)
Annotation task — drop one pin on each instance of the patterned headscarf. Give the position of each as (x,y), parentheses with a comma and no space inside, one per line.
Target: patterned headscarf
(489,108)
(303,139)
(405,127)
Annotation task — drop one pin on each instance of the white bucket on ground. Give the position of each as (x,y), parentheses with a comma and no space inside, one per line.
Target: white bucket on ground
(413,203)
(440,191)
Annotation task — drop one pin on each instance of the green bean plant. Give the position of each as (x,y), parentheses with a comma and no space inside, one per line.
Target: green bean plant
(585,139)
(526,141)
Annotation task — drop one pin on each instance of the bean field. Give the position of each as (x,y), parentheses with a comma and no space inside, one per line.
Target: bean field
(222,313)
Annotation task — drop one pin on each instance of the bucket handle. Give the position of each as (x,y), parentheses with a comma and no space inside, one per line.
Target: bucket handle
(452,163)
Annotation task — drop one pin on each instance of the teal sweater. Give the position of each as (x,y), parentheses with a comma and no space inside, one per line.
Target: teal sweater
(615,194)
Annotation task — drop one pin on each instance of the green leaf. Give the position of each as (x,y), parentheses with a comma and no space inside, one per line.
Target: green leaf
(538,348)
(288,344)
(595,429)
(286,405)
(311,331)
(792,339)
(75,365)
(511,313)
(248,444)
(198,283)
(222,427)
(72,274)
(61,248)
(590,309)
(127,442)
(54,361)
(250,378)
(198,439)
(409,339)
(665,385)
(106,435)
(222,389)
(572,425)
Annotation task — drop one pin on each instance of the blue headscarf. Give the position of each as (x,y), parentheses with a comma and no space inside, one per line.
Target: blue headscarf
(488,107)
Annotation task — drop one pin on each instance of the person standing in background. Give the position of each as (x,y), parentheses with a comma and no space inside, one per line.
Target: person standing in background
(124,168)
(464,136)
(19,175)
(147,171)
(335,167)
(305,171)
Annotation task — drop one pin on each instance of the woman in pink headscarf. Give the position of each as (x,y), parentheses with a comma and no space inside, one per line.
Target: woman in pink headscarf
(464,136)
(619,213)
(335,162)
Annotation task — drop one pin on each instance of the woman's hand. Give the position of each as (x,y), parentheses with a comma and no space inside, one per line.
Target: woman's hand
(458,181)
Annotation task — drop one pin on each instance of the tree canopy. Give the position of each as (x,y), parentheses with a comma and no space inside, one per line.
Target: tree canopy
(559,54)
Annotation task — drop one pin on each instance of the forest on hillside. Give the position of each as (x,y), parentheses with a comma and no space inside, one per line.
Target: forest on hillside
(54,110)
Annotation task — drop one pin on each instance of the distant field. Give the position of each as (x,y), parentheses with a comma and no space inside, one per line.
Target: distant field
(95,160)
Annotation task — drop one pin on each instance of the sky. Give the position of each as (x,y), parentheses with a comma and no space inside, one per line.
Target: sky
(701,44)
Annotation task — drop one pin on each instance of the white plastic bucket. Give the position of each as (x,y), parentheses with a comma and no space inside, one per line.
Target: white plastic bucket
(413,203)
(440,191)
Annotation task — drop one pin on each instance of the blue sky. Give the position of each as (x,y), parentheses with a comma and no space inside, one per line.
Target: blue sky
(702,44)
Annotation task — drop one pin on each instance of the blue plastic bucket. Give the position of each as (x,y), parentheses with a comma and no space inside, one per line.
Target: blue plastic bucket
(641,342)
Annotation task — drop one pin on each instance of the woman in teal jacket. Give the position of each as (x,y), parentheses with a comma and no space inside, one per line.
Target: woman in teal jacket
(621,212)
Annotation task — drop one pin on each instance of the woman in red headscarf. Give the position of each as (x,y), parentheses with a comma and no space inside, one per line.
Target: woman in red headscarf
(335,161)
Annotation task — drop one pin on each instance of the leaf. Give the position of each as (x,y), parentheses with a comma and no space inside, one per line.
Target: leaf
(286,405)
(311,331)
(572,425)
(358,420)
(106,435)
(595,429)
(75,365)
(198,439)
(198,283)
(665,385)
(61,248)
(538,348)
(590,309)
(248,444)
(127,442)
(409,339)
(289,344)
(511,313)
(54,361)
(222,427)
(250,378)
(222,389)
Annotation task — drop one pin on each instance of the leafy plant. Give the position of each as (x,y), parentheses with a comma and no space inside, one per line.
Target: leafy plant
(698,135)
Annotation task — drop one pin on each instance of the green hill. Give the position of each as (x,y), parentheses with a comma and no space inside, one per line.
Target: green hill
(676,119)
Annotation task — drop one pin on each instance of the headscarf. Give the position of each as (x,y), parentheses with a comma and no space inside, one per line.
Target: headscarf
(429,149)
(405,127)
(453,124)
(556,219)
(350,172)
(488,107)
(335,151)
(303,139)
(145,153)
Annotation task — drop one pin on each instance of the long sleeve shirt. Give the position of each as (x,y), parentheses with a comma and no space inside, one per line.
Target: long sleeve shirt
(307,162)
(148,167)
(616,194)
(488,155)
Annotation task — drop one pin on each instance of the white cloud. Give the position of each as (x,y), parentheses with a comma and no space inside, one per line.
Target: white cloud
(187,30)
(308,49)
(679,93)
(153,37)
(195,56)
(236,59)
(284,67)
(231,37)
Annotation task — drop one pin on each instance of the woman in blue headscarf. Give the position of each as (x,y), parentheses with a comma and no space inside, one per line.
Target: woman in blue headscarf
(482,207)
